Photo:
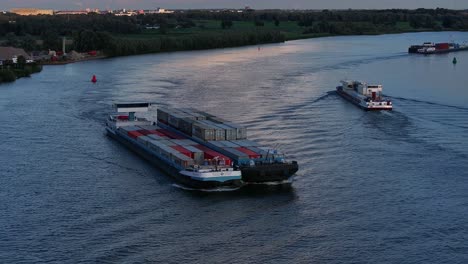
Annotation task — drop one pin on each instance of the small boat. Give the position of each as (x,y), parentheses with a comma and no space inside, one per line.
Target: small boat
(368,97)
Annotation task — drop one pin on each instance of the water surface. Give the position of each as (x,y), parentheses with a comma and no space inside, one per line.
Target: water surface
(386,187)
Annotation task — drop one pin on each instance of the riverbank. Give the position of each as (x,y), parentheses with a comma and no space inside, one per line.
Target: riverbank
(208,34)
(63,62)
(11,74)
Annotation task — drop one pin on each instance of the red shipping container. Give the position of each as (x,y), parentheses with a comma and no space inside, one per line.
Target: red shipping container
(247,151)
(183,150)
(134,134)
(211,154)
(156,133)
(122,117)
(442,46)
(144,132)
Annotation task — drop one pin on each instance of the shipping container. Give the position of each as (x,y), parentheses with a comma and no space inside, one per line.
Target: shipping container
(194,113)
(230,133)
(129,128)
(202,131)
(184,142)
(210,154)
(168,142)
(198,155)
(170,134)
(163,115)
(231,144)
(240,130)
(218,144)
(149,128)
(185,125)
(236,154)
(442,46)
(144,140)
(258,150)
(219,132)
(157,137)
(134,134)
(183,150)
(246,143)
(248,152)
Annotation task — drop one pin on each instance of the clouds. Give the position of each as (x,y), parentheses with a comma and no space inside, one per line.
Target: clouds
(257,4)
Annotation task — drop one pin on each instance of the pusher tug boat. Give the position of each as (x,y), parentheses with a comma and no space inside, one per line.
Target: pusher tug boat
(179,158)
(368,97)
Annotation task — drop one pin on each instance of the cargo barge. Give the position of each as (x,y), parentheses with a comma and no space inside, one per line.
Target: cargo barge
(258,164)
(178,157)
(434,48)
(367,97)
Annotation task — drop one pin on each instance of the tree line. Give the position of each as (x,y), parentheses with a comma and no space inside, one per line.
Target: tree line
(104,32)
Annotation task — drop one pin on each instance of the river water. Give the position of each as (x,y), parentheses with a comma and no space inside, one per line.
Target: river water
(387,187)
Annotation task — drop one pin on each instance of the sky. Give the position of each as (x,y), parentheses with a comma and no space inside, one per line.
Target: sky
(256,4)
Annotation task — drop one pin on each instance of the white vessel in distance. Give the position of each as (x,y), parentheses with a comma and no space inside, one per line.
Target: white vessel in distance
(366,96)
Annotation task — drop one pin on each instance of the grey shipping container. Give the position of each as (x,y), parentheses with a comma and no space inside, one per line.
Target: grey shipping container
(167,142)
(230,133)
(202,131)
(218,143)
(185,125)
(144,139)
(149,127)
(239,155)
(220,133)
(198,155)
(129,128)
(163,114)
(156,137)
(240,130)
(247,143)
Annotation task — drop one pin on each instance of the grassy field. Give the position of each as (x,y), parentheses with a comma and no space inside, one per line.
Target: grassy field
(290,29)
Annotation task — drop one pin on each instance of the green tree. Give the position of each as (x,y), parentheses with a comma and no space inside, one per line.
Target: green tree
(21,62)
(51,40)
(12,40)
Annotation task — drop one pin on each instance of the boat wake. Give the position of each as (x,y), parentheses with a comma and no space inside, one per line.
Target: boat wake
(427,102)
(214,190)
(274,183)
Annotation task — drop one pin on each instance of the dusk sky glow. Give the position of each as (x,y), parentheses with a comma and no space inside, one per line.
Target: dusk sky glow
(256,4)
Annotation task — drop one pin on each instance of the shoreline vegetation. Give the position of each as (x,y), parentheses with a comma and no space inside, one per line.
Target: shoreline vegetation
(186,30)
(12,72)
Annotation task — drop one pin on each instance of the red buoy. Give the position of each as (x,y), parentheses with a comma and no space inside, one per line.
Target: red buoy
(94,80)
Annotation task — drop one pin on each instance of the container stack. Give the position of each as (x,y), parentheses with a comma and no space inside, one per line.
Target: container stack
(201,125)
(177,149)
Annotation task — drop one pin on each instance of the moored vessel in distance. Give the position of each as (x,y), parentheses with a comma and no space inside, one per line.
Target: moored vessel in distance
(257,163)
(432,48)
(368,97)
(179,158)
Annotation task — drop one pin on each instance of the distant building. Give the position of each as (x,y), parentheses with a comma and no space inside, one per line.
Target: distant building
(31,11)
(159,11)
(12,54)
